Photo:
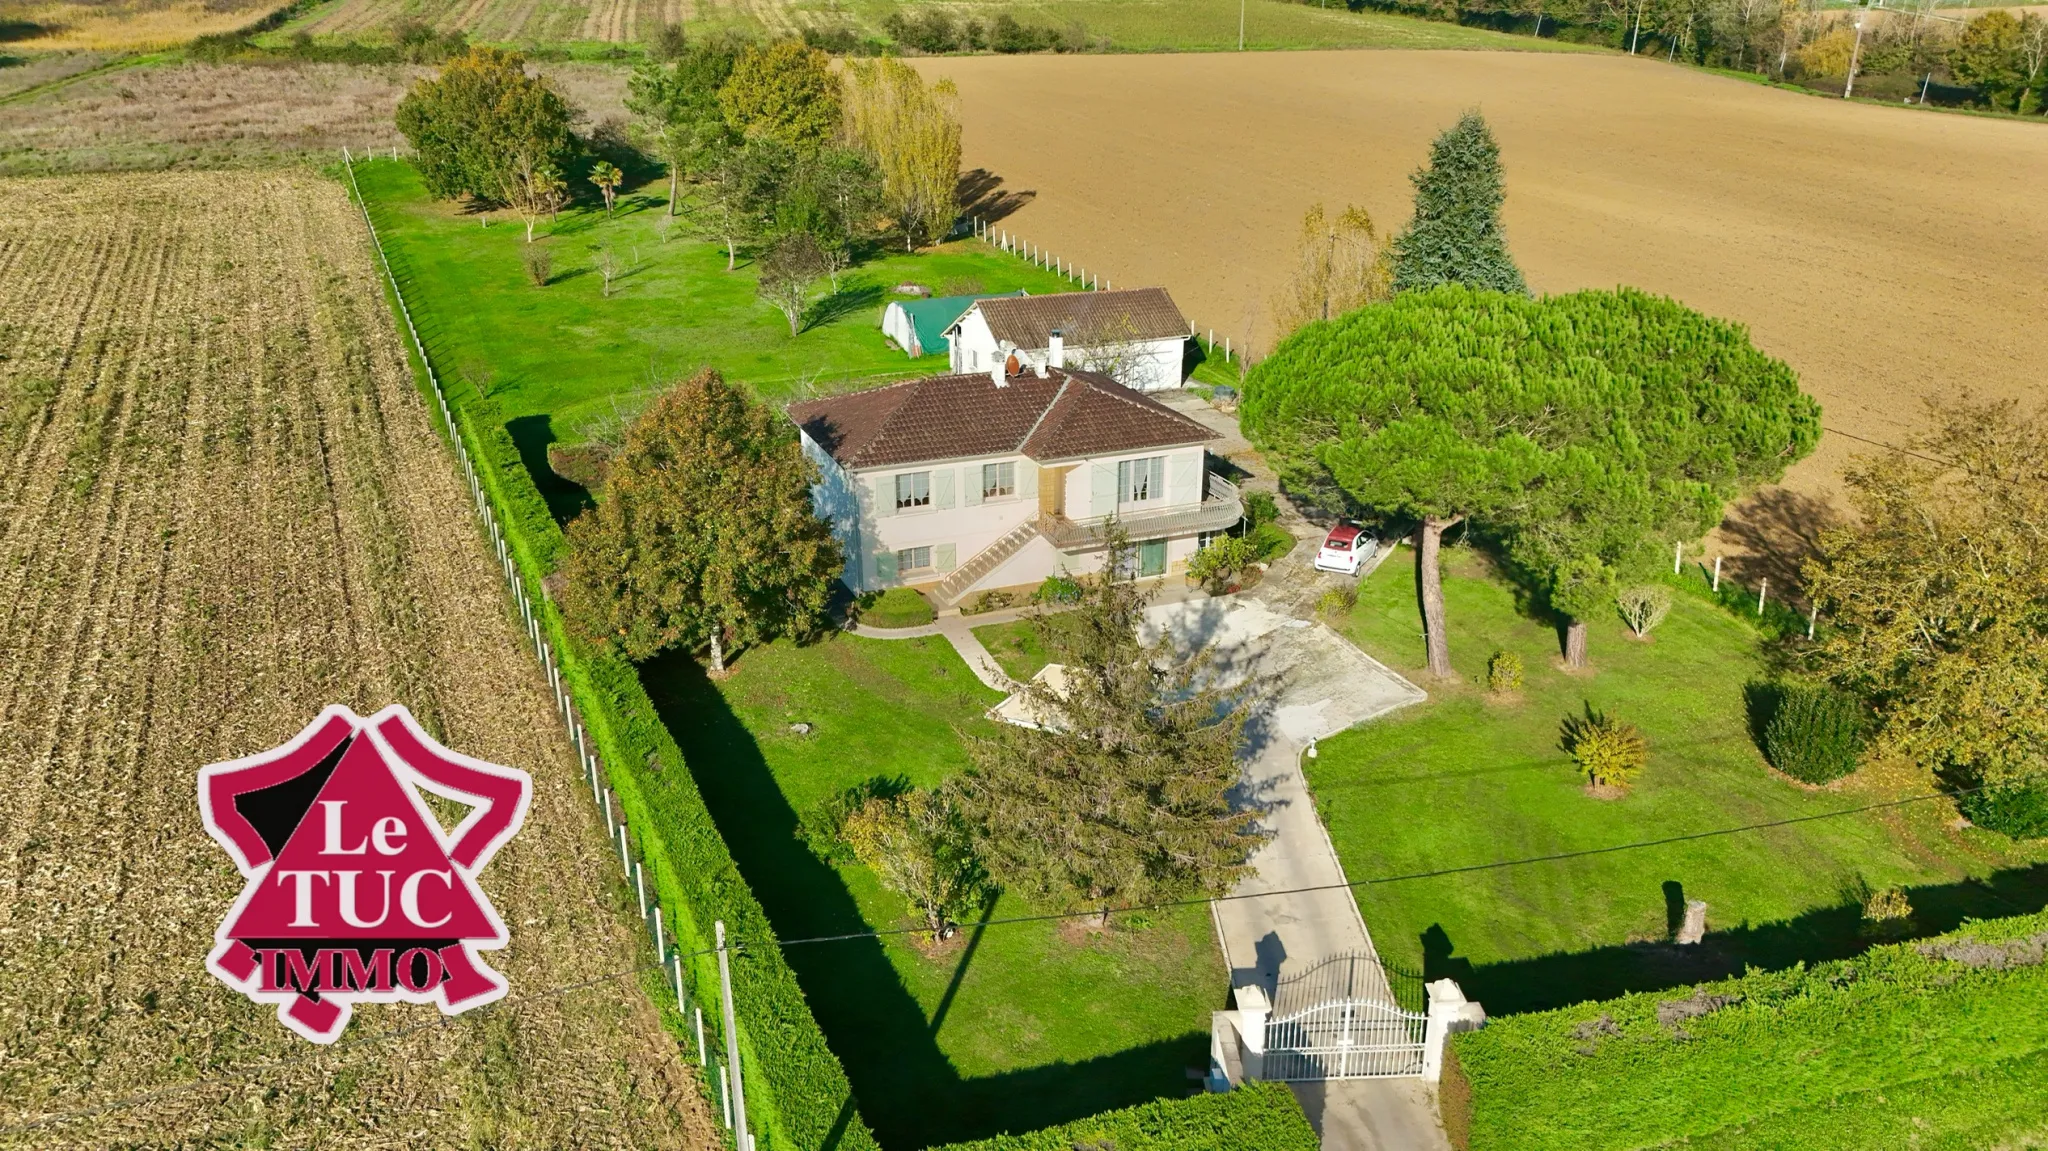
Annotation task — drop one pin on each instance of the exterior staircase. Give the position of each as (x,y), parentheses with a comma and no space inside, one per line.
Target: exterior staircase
(955,586)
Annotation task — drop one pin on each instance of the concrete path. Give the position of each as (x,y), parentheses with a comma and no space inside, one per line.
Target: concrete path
(959,632)
(1320,685)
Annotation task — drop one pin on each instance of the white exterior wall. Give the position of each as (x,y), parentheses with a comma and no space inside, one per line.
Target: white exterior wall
(1091,491)
(897,326)
(973,347)
(957,525)
(1153,365)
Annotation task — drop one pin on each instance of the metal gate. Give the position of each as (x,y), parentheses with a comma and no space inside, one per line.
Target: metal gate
(1342,1019)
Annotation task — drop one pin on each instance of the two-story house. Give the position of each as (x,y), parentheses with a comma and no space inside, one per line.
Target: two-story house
(977,480)
(1137,338)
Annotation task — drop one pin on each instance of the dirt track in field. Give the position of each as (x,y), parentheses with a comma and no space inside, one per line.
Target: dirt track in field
(222,506)
(1887,254)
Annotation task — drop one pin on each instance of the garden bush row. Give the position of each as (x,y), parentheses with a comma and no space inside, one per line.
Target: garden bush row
(1255,1117)
(807,1096)
(1805,1052)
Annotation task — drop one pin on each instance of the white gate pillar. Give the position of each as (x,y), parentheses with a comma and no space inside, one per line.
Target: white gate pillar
(1449,1012)
(1253,1010)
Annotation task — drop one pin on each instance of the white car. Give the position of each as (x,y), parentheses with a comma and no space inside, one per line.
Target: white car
(1344,549)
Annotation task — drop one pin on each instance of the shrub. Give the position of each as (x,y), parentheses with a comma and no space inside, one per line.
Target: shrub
(1815,734)
(1271,541)
(2018,810)
(1643,607)
(897,607)
(1252,1117)
(994,599)
(1503,672)
(1005,34)
(1887,914)
(822,826)
(1610,752)
(540,264)
(1338,601)
(920,848)
(1260,508)
(1226,556)
(1059,589)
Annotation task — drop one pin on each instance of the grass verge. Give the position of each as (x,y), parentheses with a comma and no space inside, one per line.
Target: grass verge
(1469,778)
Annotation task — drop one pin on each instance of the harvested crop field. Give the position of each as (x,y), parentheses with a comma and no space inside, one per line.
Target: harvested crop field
(1887,254)
(222,506)
(191,115)
(122,25)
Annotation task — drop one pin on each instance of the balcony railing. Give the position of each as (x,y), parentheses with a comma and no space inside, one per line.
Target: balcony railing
(1221,507)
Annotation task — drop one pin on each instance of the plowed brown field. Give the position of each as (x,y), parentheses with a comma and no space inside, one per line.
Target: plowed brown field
(222,505)
(1887,254)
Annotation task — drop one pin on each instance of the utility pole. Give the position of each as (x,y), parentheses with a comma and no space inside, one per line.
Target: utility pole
(732,1046)
(1923,88)
(1855,54)
(1638,34)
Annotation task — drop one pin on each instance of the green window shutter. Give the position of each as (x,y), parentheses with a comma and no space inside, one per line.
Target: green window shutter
(885,565)
(945,557)
(1184,478)
(1027,480)
(883,489)
(973,479)
(1102,489)
(942,488)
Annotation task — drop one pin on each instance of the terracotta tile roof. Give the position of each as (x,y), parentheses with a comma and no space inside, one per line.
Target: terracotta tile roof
(1058,416)
(1085,317)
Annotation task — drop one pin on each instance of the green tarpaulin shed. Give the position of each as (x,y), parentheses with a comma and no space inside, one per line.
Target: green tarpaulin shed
(919,326)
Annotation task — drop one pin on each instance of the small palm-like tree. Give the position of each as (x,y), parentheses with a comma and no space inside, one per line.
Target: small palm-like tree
(607,177)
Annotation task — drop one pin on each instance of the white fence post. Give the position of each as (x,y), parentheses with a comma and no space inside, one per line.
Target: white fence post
(1449,1012)
(1253,1009)
(1677,556)
(1717,573)
(1762,590)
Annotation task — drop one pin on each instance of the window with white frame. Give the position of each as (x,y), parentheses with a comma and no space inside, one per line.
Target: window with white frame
(913,490)
(1141,481)
(998,480)
(913,559)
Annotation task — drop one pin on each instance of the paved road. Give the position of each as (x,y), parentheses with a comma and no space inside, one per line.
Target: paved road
(1321,684)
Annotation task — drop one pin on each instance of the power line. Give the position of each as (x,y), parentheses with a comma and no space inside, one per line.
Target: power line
(518,1002)
(1888,447)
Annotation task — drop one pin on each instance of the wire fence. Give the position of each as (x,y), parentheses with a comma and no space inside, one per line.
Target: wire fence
(668,957)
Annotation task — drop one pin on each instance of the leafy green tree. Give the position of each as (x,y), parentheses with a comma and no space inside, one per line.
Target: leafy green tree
(1583,432)
(1123,795)
(913,134)
(833,195)
(705,534)
(786,92)
(741,193)
(676,98)
(2002,56)
(788,269)
(920,847)
(1937,595)
(1456,236)
(474,122)
(607,177)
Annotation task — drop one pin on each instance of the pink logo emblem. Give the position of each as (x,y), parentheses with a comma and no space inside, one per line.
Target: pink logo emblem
(355,893)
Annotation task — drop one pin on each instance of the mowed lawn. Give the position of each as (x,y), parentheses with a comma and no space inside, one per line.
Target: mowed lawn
(567,353)
(1467,779)
(1009,1027)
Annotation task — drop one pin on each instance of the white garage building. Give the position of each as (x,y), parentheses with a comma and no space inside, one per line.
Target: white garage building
(1137,338)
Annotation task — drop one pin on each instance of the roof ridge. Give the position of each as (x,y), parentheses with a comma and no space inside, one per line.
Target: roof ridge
(1047,410)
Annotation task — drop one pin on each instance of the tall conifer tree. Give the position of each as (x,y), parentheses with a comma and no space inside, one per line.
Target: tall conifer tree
(1456,236)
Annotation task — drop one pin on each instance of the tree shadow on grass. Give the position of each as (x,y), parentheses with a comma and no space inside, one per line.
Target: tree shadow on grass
(854,295)
(909,1092)
(533,434)
(1549,981)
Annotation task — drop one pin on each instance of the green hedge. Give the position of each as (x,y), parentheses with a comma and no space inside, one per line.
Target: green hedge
(1255,1117)
(1807,1053)
(799,1099)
